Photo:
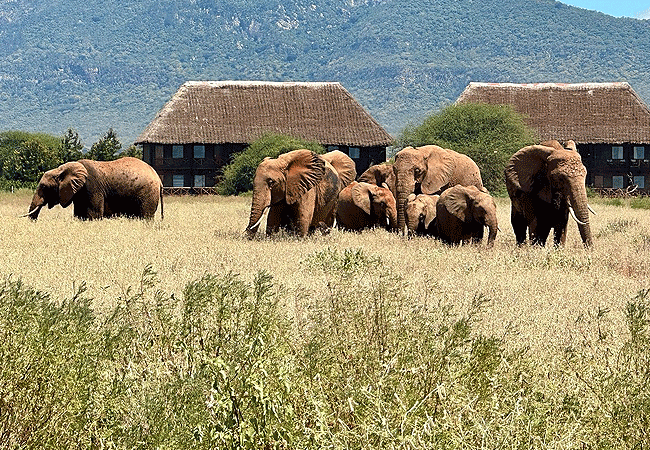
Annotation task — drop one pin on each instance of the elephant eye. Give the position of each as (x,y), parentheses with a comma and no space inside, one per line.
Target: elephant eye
(270,181)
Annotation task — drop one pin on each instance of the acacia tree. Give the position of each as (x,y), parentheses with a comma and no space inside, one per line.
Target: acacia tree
(107,148)
(489,134)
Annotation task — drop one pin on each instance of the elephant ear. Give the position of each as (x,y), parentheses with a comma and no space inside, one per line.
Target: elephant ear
(72,178)
(431,210)
(440,166)
(344,166)
(456,201)
(361,193)
(304,169)
(526,170)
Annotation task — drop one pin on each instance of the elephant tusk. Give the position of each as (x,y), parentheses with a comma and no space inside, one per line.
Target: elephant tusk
(31,212)
(591,210)
(257,224)
(573,214)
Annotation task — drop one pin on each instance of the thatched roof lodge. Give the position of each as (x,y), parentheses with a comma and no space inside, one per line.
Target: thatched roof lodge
(609,122)
(205,122)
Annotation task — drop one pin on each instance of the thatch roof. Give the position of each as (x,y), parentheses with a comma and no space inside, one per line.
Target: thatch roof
(585,112)
(218,112)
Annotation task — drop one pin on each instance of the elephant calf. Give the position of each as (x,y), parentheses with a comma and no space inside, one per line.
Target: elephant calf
(124,187)
(364,205)
(462,212)
(421,214)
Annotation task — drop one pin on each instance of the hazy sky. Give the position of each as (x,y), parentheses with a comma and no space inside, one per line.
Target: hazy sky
(639,9)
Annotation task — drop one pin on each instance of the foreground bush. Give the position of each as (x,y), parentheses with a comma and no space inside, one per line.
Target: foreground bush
(363,366)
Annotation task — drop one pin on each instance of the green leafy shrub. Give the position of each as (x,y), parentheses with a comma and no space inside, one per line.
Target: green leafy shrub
(239,173)
(640,203)
(489,134)
(357,364)
(28,162)
(48,369)
(616,400)
(387,371)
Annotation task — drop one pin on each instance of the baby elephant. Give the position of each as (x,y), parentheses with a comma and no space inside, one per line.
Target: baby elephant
(364,205)
(421,214)
(462,214)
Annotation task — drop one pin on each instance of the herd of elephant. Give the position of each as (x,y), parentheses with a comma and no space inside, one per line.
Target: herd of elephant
(429,190)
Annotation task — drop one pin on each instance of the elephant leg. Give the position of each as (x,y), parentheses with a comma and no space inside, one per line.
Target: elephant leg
(560,228)
(274,219)
(539,231)
(301,218)
(477,235)
(95,211)
(519,225)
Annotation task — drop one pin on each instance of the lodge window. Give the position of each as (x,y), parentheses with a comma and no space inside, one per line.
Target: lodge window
(199,151)
(159,151)
(598,181)
(617,181)
(617,152)
(639,152)
(178,181)
(177,151)
(199,180)
(354,152)
(640,181)
(331,148)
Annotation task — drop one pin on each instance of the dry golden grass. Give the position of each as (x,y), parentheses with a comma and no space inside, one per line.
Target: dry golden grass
(540,292)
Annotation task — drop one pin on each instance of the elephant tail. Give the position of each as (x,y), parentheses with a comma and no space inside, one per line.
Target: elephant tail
(162,213)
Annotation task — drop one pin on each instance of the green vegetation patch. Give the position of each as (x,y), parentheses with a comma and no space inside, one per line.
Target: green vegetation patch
(365,365)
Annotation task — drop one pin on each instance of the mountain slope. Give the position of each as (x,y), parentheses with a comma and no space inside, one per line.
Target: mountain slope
(95,65)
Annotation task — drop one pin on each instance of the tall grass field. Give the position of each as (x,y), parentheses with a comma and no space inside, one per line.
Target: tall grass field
(182,333)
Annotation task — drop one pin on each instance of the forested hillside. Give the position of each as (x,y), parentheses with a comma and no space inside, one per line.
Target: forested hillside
(95,65)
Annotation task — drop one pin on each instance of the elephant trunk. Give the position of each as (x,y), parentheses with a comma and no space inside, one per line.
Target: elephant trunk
(578,200)
(493,227)
(404,188)
(261,201)
(35,206)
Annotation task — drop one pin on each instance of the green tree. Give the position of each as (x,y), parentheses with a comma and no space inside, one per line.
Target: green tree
(107,148)
(238,175)
(71,146)
(12,141)
(29,160)
(488,134)
(133,151)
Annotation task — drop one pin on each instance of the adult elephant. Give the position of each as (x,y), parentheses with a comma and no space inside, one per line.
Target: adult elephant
(364,205)
(463,212)
(546,183)
(421,214)
(378,175)
(300,189)
(124,187)
(430,170)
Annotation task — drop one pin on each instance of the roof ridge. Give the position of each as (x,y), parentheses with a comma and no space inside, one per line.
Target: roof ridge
(617,84)
(225,83)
